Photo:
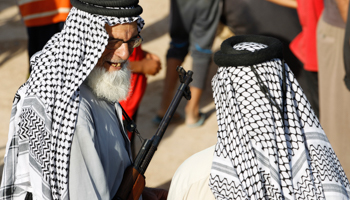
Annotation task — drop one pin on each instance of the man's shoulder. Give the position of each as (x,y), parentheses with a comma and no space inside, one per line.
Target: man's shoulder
(86,92)
(86,99)
(90,103)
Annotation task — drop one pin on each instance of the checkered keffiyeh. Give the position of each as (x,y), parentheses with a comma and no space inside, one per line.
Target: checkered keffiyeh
(45,108)
(270,143)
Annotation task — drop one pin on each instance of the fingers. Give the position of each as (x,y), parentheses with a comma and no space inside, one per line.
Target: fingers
(152,67)
(150,64)
(152,57)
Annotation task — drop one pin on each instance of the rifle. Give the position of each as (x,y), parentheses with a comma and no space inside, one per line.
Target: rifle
(133,181)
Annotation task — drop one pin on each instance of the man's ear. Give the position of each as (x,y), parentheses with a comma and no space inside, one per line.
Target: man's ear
(108,28)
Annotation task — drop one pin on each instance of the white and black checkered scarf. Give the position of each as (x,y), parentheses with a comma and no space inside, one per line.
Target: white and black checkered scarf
(45,108)
(270,143)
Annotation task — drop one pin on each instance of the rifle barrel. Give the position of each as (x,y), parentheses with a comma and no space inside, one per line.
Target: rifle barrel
(187,78)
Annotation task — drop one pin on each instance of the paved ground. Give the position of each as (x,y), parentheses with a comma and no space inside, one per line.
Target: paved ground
(179,141)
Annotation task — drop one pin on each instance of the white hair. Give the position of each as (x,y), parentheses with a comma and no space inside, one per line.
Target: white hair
(112,86)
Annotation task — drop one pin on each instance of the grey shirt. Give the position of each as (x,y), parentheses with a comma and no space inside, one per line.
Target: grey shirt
(100,149)
(331,14)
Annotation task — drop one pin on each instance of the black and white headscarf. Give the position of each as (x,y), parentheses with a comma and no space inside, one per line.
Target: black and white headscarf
(45,108)
(270,143)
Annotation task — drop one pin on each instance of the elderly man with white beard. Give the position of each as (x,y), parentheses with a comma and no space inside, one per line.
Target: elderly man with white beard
(66,138)
(100,146)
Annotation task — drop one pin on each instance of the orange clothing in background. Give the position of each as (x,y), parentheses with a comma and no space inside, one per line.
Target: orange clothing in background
(43,12)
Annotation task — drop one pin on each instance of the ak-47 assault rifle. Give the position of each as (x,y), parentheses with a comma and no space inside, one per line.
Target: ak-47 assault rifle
(133,181)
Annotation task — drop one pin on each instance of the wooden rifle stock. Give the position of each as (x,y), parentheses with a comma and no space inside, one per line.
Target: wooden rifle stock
(133,181)
(132,178)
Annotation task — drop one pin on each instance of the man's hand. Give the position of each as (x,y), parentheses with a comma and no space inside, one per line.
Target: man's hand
(154,194)
(285,3)
(149,65)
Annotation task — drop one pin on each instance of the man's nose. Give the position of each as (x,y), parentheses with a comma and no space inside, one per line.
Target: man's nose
(123,51)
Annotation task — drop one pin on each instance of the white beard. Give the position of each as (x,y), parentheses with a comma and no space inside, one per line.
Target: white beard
(111,86)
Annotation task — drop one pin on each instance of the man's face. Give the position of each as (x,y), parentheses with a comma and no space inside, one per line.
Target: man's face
(113,59)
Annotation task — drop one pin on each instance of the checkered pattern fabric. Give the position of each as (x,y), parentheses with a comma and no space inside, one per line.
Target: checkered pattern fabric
(45,108)
(270,143)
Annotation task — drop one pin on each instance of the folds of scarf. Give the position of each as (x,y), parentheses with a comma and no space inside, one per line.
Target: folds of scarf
(261,154)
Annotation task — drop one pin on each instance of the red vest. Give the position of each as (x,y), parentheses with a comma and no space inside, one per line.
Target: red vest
(304,45)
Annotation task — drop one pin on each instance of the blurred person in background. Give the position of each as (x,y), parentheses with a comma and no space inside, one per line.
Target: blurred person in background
(193,25)
(304,45)
(265,18)
(334,94)
(42,19)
